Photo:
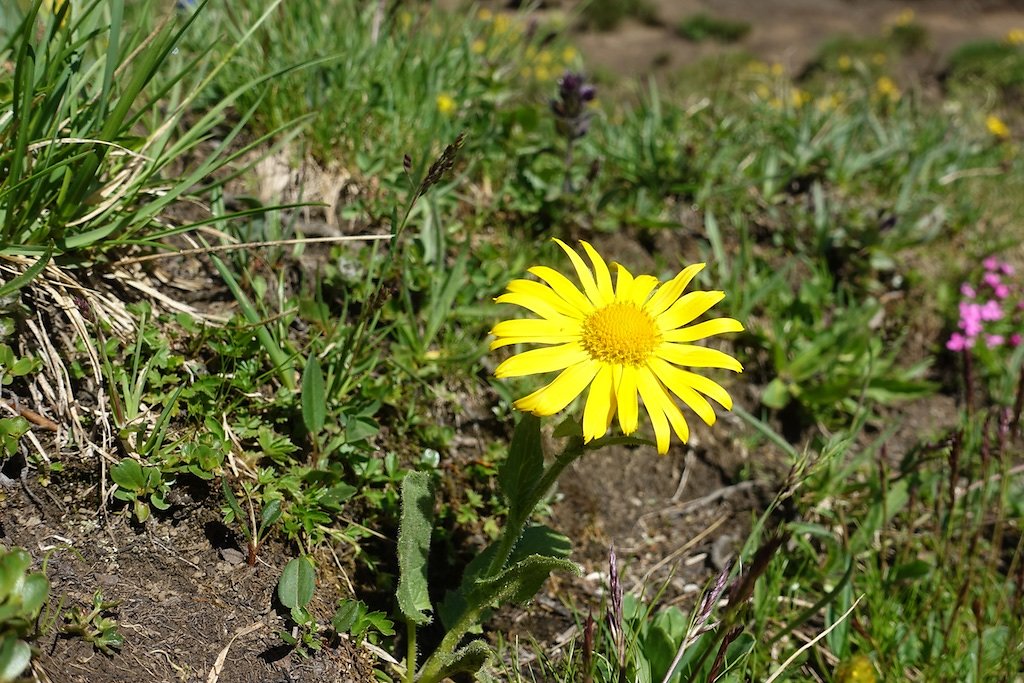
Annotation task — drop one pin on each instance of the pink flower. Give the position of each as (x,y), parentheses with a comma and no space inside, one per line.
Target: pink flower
(1015,339)
(992,279)
(991,263)
(967,291)
(994,340)
(958,342)
(991,311)
(1001,291)
(1007,269)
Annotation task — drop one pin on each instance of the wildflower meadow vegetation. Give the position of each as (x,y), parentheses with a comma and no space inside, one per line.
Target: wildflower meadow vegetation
(363,341)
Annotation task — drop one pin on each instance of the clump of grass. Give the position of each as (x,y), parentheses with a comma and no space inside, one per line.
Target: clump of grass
(606,15)
(700,27)
(987,63)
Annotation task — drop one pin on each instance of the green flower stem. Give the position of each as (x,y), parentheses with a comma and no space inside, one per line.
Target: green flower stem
(410,652)
(432,668)
(514,527)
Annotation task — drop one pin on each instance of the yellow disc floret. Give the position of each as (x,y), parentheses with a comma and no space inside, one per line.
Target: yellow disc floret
(620,333)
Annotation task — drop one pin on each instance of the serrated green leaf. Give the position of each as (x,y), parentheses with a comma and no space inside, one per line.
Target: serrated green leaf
(414,546)
(297,583)
(314,400)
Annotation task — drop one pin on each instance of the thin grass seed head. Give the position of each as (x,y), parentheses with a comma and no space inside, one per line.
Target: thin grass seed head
(623,344)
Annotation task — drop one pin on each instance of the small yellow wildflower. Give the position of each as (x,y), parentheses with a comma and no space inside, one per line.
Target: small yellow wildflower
(502,24)
(545,57)
(627,343)
(762,91)
(757,67)
(904,18)
(856,669)
(405,18)
(478,46)
(827,103)
(879,59)
(485,14)
(542,73)
(844,63)
(445,104)
(777,69)
(886,88)
(569,55)
(1015,36)
(799,98)
(996,127)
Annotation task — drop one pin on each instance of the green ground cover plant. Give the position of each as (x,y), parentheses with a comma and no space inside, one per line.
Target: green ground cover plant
(350,191)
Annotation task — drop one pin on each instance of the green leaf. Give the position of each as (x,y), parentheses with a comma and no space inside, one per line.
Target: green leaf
(468,659)
(346,615)
(270,514)
(33,594)
(518,583)
(14,657)
(236,509)
(295,588)
(128,475)
(519,475)
(910,571)
(775,395)
(414,546)
(536,540)
(314,399)
(16,283)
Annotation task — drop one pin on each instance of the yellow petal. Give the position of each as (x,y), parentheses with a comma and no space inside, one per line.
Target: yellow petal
(654,399)
(708,328)
(601,274)
(623,283)
(564,288)
(553,339)
(532,304)
(625,398)
(686,309)
(538,361)
(600,408)
(557,395)
(697,357)
(672,290)
(542,292)
(674,379)
(642,286)
(584,274)
(531,327)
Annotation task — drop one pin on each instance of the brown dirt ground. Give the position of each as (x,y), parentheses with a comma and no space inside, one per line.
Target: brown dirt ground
(184,598)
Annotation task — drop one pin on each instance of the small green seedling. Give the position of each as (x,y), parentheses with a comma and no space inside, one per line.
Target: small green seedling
(254,535)
(136,483)
(295,591)
(22,595)
(94,626)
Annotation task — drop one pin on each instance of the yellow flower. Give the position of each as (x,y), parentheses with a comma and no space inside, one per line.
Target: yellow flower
(886,88)
(542,73)
(904,18)
(445,104)
(762,91)
(478,47)
(502,24)
(777,69)
(569,55)
(996,127)
(624,342)
(879,59)
(485,14)
(827,103)
(844,62)
(856,669)
(545,57)
(1015,36)
(799,98)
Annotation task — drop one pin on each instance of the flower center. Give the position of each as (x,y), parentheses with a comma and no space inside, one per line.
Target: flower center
(620,334)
